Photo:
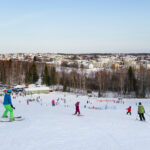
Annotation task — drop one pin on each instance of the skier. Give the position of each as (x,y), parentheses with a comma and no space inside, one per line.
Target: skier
(57,102)
(53,102)
(64,101)
(27,101)
(8,105)
(128,110)
(141,112)
(77,108)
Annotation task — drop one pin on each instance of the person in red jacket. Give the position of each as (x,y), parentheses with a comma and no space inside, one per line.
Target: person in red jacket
(77,108)
(129,110)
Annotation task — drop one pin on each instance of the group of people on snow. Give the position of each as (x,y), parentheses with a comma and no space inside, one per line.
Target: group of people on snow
(141,111)
(77,110)
(7,103)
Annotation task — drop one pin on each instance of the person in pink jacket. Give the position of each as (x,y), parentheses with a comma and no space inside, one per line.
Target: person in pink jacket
(77,108)
(27,101)
(53,102)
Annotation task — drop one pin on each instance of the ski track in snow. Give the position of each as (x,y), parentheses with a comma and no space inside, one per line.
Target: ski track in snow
(46,127)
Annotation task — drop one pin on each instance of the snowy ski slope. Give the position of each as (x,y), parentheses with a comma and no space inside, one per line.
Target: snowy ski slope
(55,128)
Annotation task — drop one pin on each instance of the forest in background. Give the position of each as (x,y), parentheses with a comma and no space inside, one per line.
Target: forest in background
(127,82)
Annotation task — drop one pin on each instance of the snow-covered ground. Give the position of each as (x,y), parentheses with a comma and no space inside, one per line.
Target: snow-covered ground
(46,127)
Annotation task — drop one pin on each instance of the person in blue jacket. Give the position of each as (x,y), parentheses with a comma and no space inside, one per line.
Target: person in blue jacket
(8,105)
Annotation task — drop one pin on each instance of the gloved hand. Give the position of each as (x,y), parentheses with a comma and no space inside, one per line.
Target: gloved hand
(12,107)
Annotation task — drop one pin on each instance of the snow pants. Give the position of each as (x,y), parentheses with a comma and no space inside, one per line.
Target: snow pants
(77,111)
(8,108)
(142,117)
(128,113)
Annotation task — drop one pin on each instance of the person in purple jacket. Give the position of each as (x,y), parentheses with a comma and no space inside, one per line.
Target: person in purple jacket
(8,105)
(77,108)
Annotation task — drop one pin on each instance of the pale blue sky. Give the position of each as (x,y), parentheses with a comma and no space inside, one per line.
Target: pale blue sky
(74,26)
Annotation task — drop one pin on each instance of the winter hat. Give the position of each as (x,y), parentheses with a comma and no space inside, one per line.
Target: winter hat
(140,103)
(9,91)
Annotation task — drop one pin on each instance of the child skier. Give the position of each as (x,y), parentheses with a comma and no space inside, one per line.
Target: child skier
(27,101)
(53,102)
(129,110)
(8,105)
(141,112)
(77,108)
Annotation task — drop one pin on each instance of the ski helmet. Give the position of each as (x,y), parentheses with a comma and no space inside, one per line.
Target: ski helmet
(9,91)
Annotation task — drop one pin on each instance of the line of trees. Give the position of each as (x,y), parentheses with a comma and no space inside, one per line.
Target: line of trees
(125,82)
(49,76)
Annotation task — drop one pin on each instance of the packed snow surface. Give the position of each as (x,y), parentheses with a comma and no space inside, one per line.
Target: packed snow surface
(103,126)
